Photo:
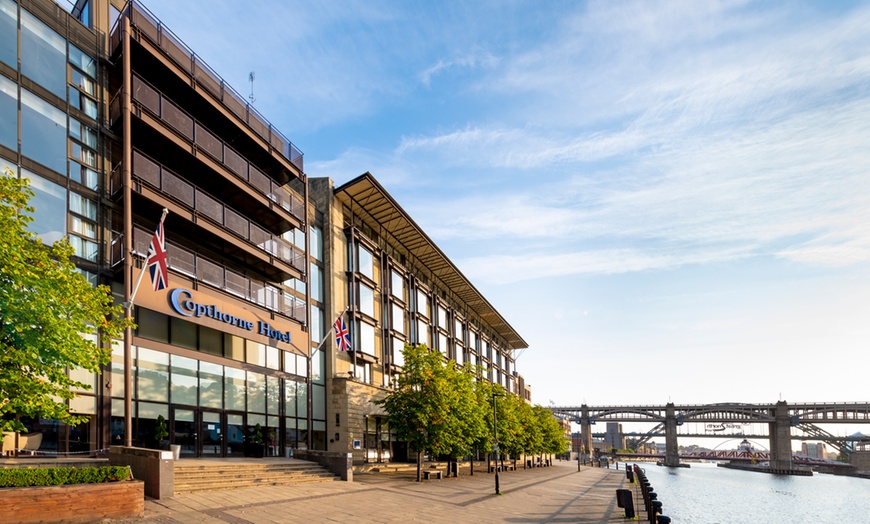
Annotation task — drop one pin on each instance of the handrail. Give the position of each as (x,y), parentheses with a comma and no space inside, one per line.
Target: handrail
(157,103)
(175,48)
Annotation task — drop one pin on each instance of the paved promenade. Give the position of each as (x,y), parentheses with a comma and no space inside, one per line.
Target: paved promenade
(556,494)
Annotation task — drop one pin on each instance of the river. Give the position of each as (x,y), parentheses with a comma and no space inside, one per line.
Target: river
(706,494)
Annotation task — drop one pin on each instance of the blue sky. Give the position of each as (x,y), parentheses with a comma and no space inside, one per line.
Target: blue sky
(668,200)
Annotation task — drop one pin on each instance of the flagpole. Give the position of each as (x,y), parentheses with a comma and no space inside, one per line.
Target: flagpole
(142,273)
(331,331)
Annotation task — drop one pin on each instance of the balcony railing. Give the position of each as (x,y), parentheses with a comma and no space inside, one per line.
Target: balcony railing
(209,272)
(154,101)
(154,30)
(164,180)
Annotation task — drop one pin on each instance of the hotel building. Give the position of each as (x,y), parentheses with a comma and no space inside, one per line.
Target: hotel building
(395,287)
(113,119)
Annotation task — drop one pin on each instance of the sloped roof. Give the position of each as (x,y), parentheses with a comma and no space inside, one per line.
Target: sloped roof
(366,194)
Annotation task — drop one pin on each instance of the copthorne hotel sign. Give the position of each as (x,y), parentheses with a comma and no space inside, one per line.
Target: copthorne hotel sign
(182,303)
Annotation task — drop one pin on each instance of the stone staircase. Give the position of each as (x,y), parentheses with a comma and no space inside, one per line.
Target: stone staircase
(190,476)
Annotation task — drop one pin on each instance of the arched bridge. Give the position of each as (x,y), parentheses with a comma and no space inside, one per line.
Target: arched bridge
(780,417)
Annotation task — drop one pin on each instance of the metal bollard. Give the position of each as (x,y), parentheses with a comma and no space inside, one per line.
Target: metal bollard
(624,500)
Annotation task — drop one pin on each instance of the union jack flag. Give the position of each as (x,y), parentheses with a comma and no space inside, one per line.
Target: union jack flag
(342,335)
(157,260)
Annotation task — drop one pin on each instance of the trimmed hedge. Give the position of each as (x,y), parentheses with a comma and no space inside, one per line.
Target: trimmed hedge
(25,477)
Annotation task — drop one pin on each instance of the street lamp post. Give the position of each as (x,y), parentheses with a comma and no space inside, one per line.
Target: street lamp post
(495,438)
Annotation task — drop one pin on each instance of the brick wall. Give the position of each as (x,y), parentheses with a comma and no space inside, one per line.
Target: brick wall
(76,503)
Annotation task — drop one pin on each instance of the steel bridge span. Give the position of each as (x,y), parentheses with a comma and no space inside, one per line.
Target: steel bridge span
(780,417)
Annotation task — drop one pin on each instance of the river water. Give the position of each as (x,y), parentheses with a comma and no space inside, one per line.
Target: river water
(707,494)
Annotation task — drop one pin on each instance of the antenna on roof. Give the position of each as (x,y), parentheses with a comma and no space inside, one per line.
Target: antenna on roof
(251,76)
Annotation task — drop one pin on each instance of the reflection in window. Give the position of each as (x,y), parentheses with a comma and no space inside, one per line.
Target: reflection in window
(366,300)
(367,338)
(184,380)
(397,285)
(256,392)
(211,387)
(78,58)
(153,380)
(422,303)
(315,282)
(398,318)
(9,33)
(43,55)
(49,202)
(8,108)
(234,389)
(398,356)
(365,262)
(316,240)
(43,132)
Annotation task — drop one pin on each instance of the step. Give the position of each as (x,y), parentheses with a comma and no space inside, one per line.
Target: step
(222,476)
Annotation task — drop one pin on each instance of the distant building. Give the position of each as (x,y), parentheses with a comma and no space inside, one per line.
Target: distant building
(814,450)
(614,438)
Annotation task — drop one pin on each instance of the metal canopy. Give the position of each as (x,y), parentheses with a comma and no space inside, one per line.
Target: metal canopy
(365,194)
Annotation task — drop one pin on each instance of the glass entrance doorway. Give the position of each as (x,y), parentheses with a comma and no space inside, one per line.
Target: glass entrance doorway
(208,432)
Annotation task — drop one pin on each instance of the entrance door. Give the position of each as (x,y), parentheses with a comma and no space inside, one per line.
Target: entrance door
(235,424)
(184,431)
(211,434)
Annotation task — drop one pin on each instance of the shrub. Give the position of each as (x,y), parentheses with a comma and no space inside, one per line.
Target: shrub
(21,477)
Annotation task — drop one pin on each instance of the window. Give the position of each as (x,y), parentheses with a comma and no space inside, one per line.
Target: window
(184,380)
(315,282)
(82,206)
(8,107)
(459,356)
(366,300)
(442,343)
(365,262)
(422,303)
(316,323)
(43,132)
(256,392)
(153,375)
(397,285)
(442,317)
(398,320)
(316,239)
(457,330)
(49,202)
(367,338)
(82,61)
(9,33)
(423,333)
(43,55)
(398,356)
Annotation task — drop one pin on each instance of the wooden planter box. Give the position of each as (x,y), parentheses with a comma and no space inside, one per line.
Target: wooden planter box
(73,503)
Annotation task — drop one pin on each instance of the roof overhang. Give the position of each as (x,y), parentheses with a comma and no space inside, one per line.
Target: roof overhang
(366,197)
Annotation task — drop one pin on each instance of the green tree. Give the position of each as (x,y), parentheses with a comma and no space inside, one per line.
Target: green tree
(49,316)
(433,408)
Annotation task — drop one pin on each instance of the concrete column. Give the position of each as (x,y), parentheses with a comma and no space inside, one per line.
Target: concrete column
(780,438)
(585,432)
(672,450)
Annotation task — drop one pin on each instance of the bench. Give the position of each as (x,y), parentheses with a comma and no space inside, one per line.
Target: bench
(428,474)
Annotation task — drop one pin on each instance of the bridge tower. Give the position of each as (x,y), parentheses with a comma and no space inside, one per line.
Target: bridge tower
(780,437)
(672,450)
(585,431)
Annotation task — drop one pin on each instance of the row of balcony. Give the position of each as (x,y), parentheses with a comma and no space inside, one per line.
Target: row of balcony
(206,141)
(173,186)
(153,29)
(209,272)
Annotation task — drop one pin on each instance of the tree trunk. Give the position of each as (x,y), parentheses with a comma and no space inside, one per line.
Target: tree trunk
(419,466)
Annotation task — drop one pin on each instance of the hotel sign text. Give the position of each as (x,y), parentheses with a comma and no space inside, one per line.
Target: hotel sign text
(182,302)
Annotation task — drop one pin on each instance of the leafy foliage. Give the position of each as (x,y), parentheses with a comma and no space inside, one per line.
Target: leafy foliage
(49,317)
(25,477)
(442,409)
